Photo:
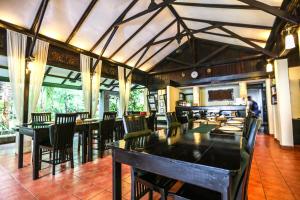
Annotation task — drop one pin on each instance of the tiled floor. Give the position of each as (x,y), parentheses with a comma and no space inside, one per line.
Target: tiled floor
(275,175)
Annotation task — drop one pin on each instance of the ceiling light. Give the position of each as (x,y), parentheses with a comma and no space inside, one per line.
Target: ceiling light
(269,67)
(289,41)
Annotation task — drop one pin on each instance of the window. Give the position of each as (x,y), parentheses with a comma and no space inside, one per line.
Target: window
(113,103)
(136,100)
(60,100)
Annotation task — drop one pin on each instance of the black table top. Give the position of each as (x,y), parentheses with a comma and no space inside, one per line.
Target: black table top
(198,146)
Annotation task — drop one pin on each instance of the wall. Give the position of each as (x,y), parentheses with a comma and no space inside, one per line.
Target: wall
(294,78)
(204,95)
(172,97)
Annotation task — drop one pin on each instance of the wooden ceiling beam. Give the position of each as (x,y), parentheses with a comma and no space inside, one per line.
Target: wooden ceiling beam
(179,19)
(135,33)
(38,26)
(36,18)
(81,20)
(273,11)
(150,41)
(149,10)
(229,36)
(212,63)
(177,61)
(162,48)
(211,55)
(223,6)
(123,14)
(228,23)
(255,46)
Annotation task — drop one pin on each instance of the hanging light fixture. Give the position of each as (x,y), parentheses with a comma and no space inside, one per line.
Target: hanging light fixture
(289,40)
(269,67)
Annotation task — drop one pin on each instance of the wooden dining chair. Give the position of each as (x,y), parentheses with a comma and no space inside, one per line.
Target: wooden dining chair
(151,122)
(109,115)
(172,120)
(105,134)
(144,182)
(61,136)
(82,116)
(41,117)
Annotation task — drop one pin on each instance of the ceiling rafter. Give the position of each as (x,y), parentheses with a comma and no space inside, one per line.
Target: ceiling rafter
(38,26)
(121,16)
(178,61)
(151,41)
(208,5)
(36,18)
(81,20)
(273,11)
(211,55)
(229,36)
(138,61)
(162,48)
(151,9)
(211,63)
(112,35)
(136,32)
(228,23)
(255,46)
(179,19)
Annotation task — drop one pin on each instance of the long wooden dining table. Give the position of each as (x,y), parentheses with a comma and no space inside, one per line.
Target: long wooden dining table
(40,134)
(193,156)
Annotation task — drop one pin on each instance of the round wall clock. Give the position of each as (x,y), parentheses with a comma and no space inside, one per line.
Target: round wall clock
(194,74)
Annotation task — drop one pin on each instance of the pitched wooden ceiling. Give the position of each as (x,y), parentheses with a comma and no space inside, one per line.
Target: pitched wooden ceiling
(140,33)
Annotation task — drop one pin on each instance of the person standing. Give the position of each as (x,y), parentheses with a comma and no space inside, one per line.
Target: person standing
(253,106)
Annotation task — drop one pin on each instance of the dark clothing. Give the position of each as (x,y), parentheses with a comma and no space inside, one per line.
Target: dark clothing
(254,108)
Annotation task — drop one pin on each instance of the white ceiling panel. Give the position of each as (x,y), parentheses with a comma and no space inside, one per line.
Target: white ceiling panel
(227,15)
(98,21)
(250,32)
(195,25)
(61,17)
(157,24)
(164,53)
(231,2)
(21,13)
(152,50)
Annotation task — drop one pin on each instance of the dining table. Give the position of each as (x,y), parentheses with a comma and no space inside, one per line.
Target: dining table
(201,156)
(39,132)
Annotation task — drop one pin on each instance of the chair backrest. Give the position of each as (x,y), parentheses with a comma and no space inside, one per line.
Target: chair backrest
(134,123)
(83,115)
(41,117)
(62,132)
(109,115)
(107,129)
(247,124)
(252,135)
(151,120)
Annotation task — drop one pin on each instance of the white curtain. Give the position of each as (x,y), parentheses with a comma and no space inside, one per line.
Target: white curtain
(86,80)
(16,48)
(96,87)
(37,70)
(124,89)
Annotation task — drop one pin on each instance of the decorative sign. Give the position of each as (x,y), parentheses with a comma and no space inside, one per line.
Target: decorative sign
(220,95)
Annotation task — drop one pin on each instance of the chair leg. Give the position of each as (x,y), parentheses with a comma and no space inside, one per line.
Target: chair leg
(40,159)
(79,142)
(53,162)
(72,158)
(150,195)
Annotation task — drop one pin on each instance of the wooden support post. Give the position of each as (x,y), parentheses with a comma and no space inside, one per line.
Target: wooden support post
(91,86)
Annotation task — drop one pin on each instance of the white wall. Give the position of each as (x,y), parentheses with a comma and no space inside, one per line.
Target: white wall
(284,111)
(294,77)
(269,106)
(204,95)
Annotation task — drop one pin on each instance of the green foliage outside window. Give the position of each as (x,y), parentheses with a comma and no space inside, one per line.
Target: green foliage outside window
(60,100)
(113,103)
(136,100)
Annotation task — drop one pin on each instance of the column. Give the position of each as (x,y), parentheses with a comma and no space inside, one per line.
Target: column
(269,106)
(196,96)
(284,111)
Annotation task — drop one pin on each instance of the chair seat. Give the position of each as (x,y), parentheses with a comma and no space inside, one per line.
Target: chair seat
(155,180)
